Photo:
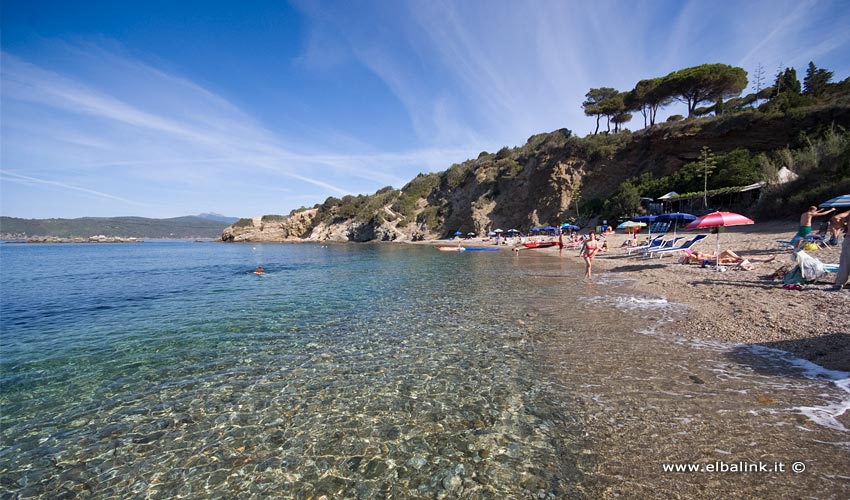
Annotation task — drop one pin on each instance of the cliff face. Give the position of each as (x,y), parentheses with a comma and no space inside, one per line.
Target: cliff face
(539,183)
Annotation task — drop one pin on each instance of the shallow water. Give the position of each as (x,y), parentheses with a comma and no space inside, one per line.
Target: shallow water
(166,369)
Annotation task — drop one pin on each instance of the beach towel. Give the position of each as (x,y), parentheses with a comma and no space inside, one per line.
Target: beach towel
(793,277)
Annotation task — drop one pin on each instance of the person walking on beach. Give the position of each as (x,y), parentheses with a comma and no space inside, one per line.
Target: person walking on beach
(806,224)
(590,249)
(844,260)
(561,244)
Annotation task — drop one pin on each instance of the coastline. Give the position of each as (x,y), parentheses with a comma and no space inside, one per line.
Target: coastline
(738,306)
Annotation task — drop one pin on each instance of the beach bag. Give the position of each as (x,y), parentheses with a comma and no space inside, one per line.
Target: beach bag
(810,268)
(811,247)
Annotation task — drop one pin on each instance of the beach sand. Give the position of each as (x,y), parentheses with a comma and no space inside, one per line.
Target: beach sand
(739,306)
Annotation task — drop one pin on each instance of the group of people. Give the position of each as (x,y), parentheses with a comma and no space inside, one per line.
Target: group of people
(838,223)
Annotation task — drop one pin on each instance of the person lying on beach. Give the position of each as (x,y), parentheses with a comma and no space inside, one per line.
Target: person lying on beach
(726,257)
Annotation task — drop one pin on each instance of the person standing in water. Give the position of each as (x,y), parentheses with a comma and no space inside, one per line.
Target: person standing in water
(561,243)
(591,248)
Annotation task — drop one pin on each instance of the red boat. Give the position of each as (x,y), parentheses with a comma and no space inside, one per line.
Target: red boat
(539,244)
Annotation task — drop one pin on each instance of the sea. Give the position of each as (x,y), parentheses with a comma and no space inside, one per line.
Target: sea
(168,369)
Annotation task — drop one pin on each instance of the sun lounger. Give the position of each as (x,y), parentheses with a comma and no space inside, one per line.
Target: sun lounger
(685,246)
(654,243)
(665,244)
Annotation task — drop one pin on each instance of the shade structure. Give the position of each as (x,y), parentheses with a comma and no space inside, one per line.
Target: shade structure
(458,233)
(645,218)
(570,227)
(498,231)
(719,219)
(842,201)
(513,231)
(649,219)
(676,218)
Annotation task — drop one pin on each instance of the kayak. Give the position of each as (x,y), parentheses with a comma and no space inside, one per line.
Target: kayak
(467,249)
(539,244)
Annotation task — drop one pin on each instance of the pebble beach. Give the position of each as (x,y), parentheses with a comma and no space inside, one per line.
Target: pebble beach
(748,306)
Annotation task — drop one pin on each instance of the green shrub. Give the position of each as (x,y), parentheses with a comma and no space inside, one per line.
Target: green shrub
(430,217)
(244,223)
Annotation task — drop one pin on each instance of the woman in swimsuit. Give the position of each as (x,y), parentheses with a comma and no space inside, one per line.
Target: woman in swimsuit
(591,247)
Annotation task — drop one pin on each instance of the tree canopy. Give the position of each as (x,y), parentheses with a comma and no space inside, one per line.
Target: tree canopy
(816,80)
(596,103)
(704,83)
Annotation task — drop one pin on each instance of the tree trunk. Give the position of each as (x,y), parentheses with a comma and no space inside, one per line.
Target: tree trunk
(597,124)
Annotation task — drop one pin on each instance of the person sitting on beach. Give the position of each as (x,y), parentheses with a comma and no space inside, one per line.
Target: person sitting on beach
(806,224)
(836,224)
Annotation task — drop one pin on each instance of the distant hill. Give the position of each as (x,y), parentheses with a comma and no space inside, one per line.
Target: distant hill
(218,217)
(136,227)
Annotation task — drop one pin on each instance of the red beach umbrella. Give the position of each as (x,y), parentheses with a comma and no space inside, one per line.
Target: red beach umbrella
(719,219)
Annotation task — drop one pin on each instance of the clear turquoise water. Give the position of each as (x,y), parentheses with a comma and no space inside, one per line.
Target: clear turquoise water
(168,370)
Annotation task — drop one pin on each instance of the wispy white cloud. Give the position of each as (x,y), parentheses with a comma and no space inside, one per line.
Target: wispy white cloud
(25,179)
(69,131)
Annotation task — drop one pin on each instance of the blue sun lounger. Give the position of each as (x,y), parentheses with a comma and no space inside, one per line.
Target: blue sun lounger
(665,244)
(654,243)
(685,246)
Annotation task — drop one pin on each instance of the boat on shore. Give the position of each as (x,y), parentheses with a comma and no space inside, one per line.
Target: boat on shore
(539,244)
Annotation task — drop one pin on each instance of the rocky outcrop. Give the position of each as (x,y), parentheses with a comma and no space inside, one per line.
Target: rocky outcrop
(543,182)
(271,228)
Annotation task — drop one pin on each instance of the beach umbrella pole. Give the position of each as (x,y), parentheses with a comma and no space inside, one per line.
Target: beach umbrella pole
(717,252)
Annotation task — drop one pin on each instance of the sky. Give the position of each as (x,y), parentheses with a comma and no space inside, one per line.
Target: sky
(163,109)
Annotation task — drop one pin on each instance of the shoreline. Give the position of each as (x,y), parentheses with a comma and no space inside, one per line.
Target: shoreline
(737,306)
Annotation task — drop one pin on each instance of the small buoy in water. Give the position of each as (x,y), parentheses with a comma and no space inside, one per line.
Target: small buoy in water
(253,248)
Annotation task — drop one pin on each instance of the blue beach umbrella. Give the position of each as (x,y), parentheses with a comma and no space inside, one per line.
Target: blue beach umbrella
(842,201)
(570,227)
(676,218)
(645,218)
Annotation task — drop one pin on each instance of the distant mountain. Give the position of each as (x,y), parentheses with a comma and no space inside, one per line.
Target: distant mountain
(135,227)
(218,217)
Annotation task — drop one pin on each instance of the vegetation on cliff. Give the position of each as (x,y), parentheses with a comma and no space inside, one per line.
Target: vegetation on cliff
(557,176)
(129,227)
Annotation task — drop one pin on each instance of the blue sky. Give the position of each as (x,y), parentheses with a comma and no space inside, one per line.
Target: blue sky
(164,108)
